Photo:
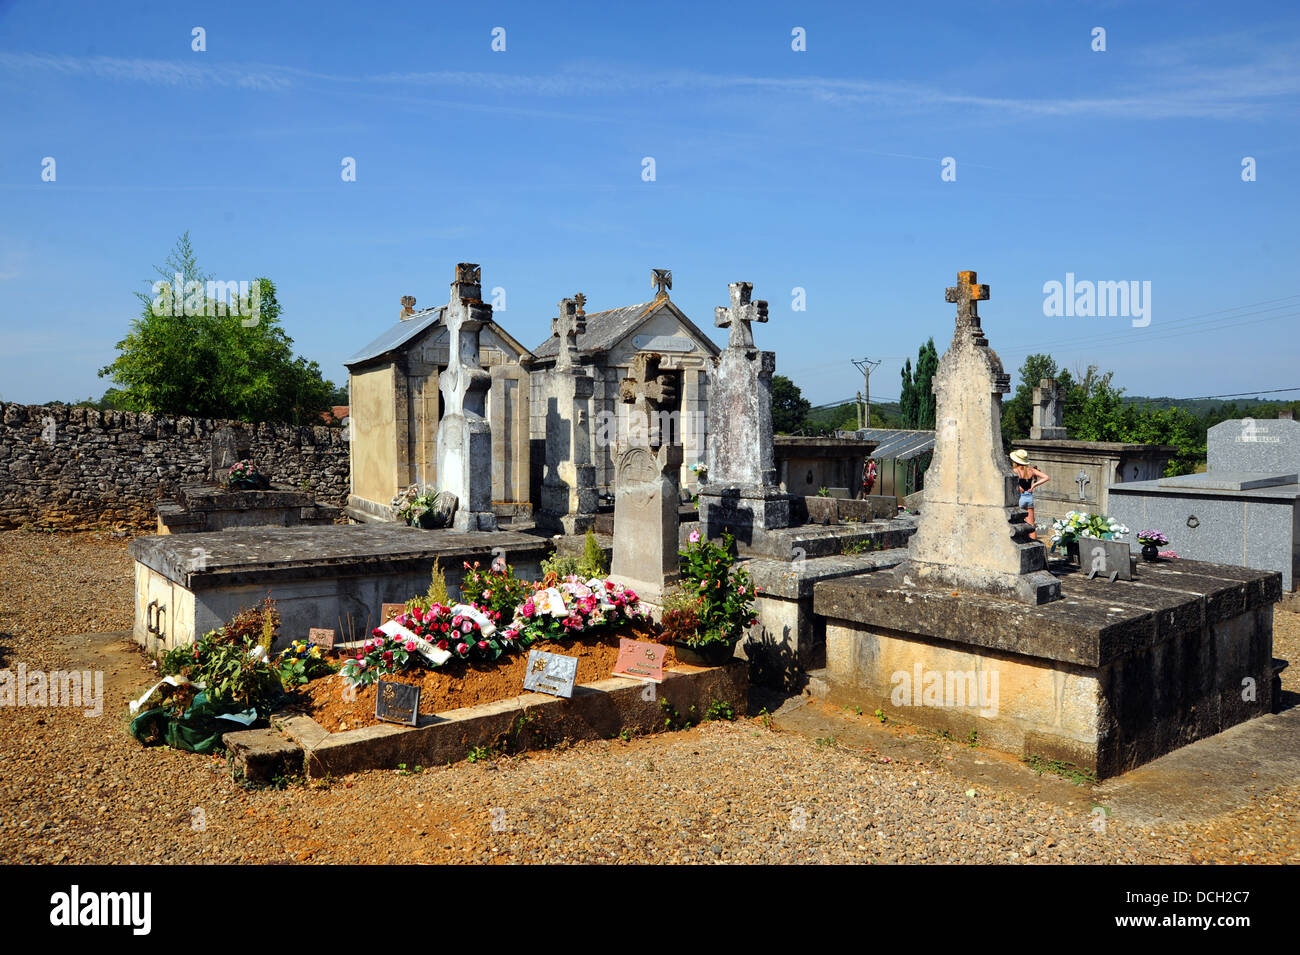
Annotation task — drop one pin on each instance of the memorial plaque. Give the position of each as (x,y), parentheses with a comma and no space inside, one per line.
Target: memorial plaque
(551,673)
(640,660)
(397,703)
(319,637)
(1111,559)
(389,611)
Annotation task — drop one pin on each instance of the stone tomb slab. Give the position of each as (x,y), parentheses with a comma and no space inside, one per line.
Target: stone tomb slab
(1107,678)
(1229,480)
(334,577)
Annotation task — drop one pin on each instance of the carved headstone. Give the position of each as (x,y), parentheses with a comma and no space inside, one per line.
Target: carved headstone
(646,478)
(972,535)
(229,446)
(464,436)
(568,498)
(742,494)
(1049,409)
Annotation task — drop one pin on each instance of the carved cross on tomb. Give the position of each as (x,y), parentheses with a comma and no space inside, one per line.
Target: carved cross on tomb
(1082,480)
(740,315)
(966,293)
(646,391)
(567,326)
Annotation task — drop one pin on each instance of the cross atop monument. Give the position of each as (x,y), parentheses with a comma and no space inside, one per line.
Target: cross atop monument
(966,294)
(581,301)
(647,391)
(466,284)
(662,281)
(567,326)
(740,315)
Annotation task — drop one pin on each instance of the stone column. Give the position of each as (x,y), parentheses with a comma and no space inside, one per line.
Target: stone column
(1049,408)
(568,504)
(464,436)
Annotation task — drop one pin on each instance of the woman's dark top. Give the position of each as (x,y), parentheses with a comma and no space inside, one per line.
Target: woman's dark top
(1025,483)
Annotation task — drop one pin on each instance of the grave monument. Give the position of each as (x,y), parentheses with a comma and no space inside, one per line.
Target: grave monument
(964,637)
(464,436)
(742,494)
(568,495)
(646,486)
(1244,510)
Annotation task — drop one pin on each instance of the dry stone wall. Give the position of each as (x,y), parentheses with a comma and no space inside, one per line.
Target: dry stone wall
(82,468)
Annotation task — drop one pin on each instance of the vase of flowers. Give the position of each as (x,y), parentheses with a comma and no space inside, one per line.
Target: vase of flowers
(1151,542)
(243,475)
(1075,526)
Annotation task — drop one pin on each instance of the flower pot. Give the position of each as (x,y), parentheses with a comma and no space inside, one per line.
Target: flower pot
(243,484)
(427,520)
(1150,552)
(1072,552)
(706,655)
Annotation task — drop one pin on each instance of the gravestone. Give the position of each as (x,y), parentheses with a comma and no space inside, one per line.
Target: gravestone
(464,436)
(397,702)
(646,477)
(1252,444)
(1049,410)
(552,673)
(229,446)
(568,495)
(742,494)
(972,535)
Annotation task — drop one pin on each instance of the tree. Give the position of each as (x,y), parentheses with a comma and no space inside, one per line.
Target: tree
(927,364)
(907,396)
(789,407)
(204,361)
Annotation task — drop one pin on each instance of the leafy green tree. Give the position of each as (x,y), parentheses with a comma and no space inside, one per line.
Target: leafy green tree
(1018,411)
(789,407)
(907,400)
(211,364)
(927,364)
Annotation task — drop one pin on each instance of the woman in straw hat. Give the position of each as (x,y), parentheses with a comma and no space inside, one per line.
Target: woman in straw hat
(1028,477)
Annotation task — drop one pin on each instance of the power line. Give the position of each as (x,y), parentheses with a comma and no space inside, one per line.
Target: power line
(1240,394)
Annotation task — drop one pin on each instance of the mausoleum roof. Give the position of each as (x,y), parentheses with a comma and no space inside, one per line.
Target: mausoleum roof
(397,335)
(606,329)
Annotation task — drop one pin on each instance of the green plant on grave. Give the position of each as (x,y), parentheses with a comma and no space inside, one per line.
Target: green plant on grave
(496,590)
(724,591)
(593,556)
(562,566)
(301,663)
(823,492)
(859,546)
(438,585)
(720,710)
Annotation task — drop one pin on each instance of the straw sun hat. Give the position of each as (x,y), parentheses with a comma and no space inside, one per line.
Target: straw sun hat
(1020,456)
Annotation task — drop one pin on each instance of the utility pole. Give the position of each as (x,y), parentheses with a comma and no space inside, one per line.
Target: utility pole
(865,365)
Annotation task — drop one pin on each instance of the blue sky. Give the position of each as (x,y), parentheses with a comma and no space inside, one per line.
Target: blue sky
(818,169)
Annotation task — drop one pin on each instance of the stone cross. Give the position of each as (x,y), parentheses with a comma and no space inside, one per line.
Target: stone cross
(1081,480)
(661,280)
(408,306)
(966,293)
(647,391)
(1048,411)
(567,326)
(740,315)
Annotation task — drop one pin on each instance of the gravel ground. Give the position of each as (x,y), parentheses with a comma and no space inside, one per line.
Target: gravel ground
(79,789)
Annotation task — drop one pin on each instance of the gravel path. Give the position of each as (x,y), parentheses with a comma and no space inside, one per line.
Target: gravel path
(79,789)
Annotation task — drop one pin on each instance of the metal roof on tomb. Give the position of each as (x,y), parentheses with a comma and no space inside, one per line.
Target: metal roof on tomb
(605,329)
(897,444)
(397,336)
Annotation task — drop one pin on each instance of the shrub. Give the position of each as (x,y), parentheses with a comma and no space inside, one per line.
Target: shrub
(725,594)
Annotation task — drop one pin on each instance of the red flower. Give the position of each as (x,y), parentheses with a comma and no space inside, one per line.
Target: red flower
(482,644)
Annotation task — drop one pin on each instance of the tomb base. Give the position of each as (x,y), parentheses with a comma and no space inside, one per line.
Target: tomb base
(335,578)
(746,512)
(1106,678)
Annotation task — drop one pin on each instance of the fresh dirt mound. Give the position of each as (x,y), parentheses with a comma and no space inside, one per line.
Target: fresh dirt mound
(458,684)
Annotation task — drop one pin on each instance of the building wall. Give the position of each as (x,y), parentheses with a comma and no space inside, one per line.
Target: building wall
(373,401)
(77,468)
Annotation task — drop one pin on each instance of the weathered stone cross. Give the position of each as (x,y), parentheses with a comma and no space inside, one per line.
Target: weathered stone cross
(662,281)
(740,315)
(646,391)
(567,326)
(966,293)
(1081,480)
